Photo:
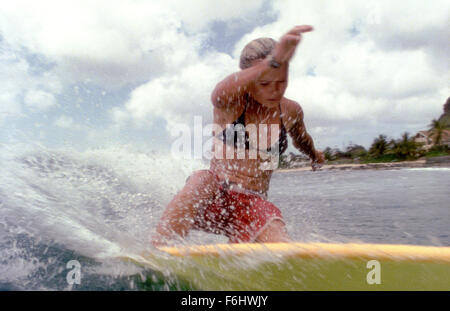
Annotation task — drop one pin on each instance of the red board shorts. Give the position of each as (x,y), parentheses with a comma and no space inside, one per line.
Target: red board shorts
(239,215)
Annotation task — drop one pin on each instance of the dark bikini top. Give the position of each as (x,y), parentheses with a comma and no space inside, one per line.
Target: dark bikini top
(280,146)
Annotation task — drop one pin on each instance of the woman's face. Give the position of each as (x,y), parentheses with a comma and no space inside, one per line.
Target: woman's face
(269,89)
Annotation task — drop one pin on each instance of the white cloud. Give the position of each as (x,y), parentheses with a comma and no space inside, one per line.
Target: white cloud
(68,123)
(115,42)
(177,98)
(64,122)
(9,106)
(110,43)
(11,71)
(39,100)
(196,15)
(20,86)
(415,25)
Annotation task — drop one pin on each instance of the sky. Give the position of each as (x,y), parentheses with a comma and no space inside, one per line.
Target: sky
(87,74)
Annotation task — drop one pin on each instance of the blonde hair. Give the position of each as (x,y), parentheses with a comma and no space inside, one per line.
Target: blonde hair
(256,49)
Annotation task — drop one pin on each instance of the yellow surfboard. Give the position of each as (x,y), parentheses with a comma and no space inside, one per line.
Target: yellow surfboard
(305,266)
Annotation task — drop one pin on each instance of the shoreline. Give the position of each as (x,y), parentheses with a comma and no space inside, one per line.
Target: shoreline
(445,162)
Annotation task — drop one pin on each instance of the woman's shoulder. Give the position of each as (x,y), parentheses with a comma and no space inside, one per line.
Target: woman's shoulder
(290,109)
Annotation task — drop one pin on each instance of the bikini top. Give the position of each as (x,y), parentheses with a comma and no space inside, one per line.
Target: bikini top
(280,146)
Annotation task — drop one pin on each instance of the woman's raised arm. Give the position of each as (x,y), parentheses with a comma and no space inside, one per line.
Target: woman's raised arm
(233,87)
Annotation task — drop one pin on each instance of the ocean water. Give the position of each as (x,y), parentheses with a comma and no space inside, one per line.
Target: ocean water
(57,206)
(400,206)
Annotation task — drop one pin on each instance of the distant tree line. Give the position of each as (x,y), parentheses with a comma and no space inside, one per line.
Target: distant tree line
(381,150)
(404,148)
(384,149)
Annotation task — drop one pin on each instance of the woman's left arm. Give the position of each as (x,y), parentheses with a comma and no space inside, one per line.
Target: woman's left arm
(300,137)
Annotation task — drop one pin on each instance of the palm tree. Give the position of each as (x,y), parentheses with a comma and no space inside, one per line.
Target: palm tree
(379,146)
(406,147)
(328,153)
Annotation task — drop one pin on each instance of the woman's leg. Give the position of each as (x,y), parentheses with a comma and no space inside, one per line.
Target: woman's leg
(274,232)
(178,216)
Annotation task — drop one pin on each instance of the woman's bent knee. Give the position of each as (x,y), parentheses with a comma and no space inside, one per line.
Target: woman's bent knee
(274,232)
(202,181)
(201,176)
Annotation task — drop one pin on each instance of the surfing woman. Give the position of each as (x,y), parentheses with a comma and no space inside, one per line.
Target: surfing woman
(231,197)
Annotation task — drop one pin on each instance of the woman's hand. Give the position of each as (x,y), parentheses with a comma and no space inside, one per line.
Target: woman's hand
(285,48)
(318,161)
